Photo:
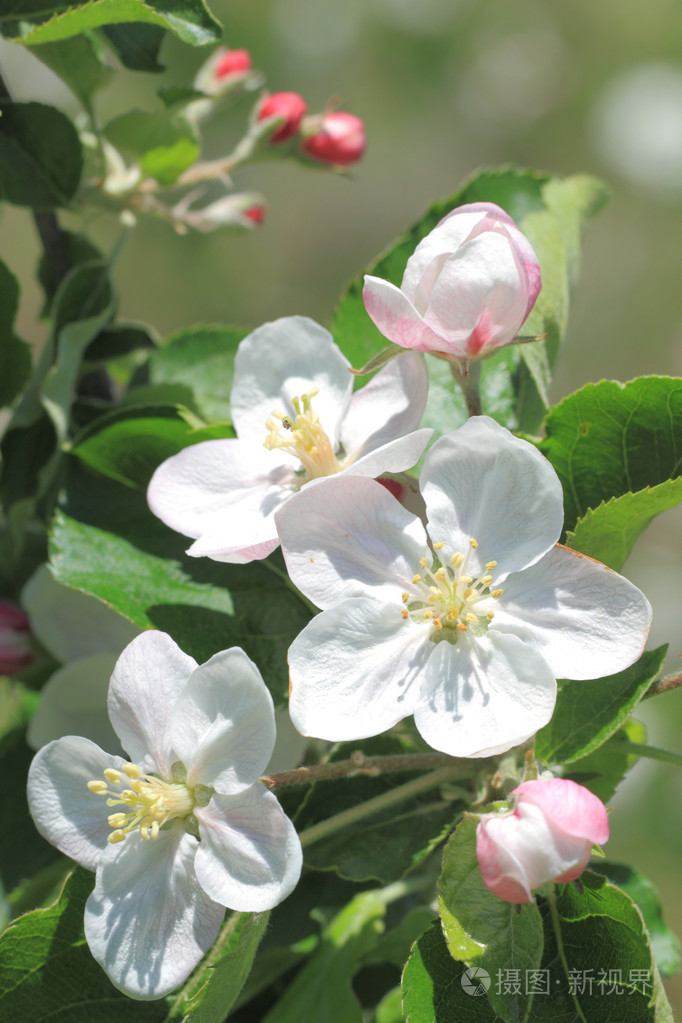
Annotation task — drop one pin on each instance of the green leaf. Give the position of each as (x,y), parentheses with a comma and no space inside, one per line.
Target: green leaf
(48,973)
(199,363)
(136,45)
(79,63)
(78,249)
(321,990)
(41,160)
(15,354)
(135,564)
(482,930)
(118,339)
(588,713)
(603,771)
(665,945)
(434,985)
(165,143)
(608,533)
(210,998)
(128,445)
(551,211)
(33,22)
(610,439)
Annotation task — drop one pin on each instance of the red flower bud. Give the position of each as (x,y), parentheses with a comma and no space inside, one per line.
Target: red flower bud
(255,213)
(15,646)
(232,62)
(289,105)
(340,139)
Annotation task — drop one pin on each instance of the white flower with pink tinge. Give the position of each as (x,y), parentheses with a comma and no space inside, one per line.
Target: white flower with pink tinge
(467,627)
(467,289)
(547,836)
(191,831)
(297,420)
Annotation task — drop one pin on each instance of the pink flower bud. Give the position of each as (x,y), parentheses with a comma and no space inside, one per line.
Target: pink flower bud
(232,62)
(340,139)
(288,105)
(255,213)
(15,645)
(467,288)
(547,837)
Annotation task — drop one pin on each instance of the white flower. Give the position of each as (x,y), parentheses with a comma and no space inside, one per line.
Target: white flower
(191,831)
(297,420)
(467,630)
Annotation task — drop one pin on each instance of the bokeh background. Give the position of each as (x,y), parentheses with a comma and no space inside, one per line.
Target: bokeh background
(445,87)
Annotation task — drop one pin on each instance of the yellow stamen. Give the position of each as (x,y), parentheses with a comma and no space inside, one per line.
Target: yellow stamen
(490,565)
(473,543)
(439,546)
(496,593)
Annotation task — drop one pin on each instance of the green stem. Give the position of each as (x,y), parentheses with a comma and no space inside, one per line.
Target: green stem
(281,574)
(358,763)
(207,963)
(556,926)
(652,752)
(378,804)
(468,376)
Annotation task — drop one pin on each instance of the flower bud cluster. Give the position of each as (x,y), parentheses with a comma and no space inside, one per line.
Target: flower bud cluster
(332,137)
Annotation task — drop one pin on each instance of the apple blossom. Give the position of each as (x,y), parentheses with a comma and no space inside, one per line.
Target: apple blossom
(467,627)
(467,288)
(297,420)
(15,639)
(290,107)
(337,138)
(547,836)
(191,831)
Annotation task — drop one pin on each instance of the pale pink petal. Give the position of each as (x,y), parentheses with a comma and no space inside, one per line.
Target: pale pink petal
(585,619)
(223,727)
(250,856)
(356,670)
(500,869)
(283,360)
(64,810)
(345,536)
(482,483)
(569,807)
(389,406)
(482,697)
(398,320)
(149,676)
(148,922)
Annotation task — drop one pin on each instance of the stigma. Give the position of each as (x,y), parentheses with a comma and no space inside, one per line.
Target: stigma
(304,437)
(148,802)
(448,598)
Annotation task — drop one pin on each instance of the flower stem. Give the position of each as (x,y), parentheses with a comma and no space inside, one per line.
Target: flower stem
(665,685)
(383,802)
(358,763)
(468,376)
(556,926)
(651,752)
(206,964)
(281,574)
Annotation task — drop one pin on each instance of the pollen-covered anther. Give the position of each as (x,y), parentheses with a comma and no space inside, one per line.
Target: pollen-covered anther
(303,436)
(496,593)
(405,597)
(150,802)
(405,613)
(462,627)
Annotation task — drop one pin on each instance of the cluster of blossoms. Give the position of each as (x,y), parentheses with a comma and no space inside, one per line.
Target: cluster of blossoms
(462,615)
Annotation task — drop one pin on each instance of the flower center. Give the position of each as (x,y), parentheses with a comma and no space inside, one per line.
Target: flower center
(303,437)
(449,598)
(150,802)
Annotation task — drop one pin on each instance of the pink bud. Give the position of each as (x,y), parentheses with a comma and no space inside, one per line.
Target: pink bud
(547,837)
(255,213)
(232,62)
(467,288)
(340,139)
(288,105)
(15,645)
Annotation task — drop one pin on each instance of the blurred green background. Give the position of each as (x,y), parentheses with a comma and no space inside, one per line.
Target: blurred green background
(445,87)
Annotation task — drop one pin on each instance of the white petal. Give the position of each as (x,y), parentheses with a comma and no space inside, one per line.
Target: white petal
(249,857)
(356,670)
(71,624)
(445,238)
(585,619)
(74,700)
(389,406)
(481,697)
(214,486)
(345,536)
(65,812)
(148,922)
(482,483)
(283,360)
(149,675)
(243,533)
(223,727)
(395,456)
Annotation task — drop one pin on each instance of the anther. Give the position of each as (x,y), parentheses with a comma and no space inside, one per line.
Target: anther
(490,565)
(461,626)
(132,770)
(473,543)
(405,596)
(416,578)
(112,775)
(439,546)
(496,593)
(470,617)
(437,622)
(405,613)
(116,836)
(99,788)
(457,559)
(490,615)
(423,562)
(486,580)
